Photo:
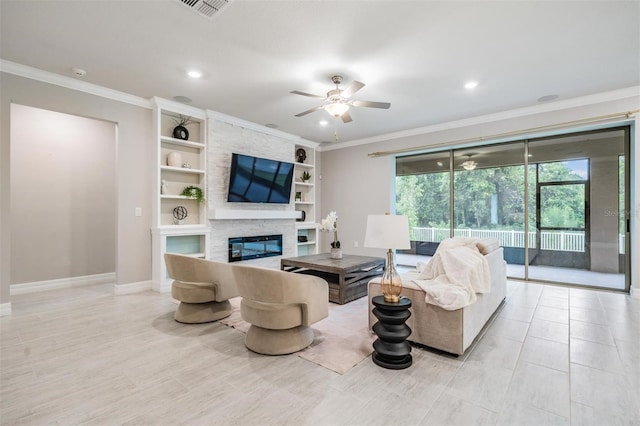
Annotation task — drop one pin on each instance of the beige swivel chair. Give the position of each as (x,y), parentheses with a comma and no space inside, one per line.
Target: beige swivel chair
(203,288)
(280,306)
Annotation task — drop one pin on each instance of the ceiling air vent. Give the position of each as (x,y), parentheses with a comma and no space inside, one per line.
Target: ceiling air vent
(206,8)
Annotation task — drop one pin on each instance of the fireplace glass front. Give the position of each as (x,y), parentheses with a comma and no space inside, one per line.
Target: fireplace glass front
(244,248)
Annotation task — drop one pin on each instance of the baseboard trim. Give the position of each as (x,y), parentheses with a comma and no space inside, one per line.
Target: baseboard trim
(130,288)
(5,309)
(161,287)
(38,286)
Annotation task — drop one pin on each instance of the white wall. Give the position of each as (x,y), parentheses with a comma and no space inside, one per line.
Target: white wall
(63,195)
(355,184)
(134,165)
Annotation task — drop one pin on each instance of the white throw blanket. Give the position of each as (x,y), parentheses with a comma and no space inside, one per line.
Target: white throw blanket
(455,274)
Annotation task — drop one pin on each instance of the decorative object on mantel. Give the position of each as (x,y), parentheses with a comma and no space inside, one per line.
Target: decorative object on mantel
(388,232)
(180,131)
(298,196)
(186,165)
(305,176)
(174,159)
(303,216)
(194,192)
(164,187)
(179,215)
(330,224)
(301,155)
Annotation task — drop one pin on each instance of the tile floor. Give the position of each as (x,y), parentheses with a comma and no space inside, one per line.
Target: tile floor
(552,355)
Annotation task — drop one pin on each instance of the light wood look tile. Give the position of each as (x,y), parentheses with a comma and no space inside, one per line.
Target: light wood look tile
(553,355)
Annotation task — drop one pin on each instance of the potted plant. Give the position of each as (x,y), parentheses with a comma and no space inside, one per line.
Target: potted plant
(194,192)
(305,176)
(180,130)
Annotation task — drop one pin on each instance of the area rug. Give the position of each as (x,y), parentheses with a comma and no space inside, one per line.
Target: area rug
(340,341)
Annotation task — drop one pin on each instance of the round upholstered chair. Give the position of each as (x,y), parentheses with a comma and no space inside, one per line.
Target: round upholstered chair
(280,306)
(202,287)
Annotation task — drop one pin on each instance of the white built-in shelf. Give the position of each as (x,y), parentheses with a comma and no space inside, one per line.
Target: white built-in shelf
(303,184)
(309,203)
(307,243)
(189,229)
(181,142)
(182,170)
(306,225)
(200,255)
(305,165)
(175,197)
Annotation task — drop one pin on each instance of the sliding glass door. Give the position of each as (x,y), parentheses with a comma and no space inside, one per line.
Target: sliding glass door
(489,198)
(423,193)
(558,205)
(579,205)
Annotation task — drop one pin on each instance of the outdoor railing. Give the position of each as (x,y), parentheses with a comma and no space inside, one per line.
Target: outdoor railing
(550,240)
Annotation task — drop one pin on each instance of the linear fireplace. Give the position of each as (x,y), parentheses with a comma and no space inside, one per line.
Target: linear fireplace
(244,248)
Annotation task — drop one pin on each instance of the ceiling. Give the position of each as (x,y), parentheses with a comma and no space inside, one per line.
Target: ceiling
(417,55)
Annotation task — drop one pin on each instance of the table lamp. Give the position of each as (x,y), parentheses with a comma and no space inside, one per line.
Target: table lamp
(388,232)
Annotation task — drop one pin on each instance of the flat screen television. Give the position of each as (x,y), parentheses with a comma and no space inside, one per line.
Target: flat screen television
(259,180)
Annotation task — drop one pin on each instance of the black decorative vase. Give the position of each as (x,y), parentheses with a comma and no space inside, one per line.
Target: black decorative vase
(180,132)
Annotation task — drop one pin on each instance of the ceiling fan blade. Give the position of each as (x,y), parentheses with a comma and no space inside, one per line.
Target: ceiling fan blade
(369,104)
(352,88)
(309,111)
(346,118)
(297,92)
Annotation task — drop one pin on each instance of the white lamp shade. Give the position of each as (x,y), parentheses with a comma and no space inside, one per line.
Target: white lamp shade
(336,109)
(388,232)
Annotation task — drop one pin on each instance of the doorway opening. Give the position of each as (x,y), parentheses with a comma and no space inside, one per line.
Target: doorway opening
(63,197)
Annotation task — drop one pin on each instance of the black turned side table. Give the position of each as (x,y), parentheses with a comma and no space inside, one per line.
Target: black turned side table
(391,349)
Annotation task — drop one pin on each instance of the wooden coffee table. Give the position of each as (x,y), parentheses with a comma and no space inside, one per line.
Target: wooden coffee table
(347,277)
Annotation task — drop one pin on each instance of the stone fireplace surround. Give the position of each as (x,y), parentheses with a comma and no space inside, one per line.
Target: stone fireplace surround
(231,220)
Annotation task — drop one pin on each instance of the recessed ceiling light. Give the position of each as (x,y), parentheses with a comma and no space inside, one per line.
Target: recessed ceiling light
(271,125)
(323,123)
(182,99)
(547,98)
(194,74)
(79,72)
(470,85)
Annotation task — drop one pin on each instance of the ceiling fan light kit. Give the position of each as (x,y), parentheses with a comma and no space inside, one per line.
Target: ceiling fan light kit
(469,164)
(336,109)
(338,100)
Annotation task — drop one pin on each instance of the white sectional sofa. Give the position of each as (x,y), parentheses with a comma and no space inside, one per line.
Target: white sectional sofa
(449,331)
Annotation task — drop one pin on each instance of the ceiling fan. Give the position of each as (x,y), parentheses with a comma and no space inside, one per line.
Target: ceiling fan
(338,100)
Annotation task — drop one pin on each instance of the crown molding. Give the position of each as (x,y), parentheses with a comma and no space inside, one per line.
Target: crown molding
(71,83)
(597,98)
(162,103)
(235,121)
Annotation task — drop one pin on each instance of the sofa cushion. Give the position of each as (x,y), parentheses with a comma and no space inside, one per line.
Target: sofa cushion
(487,245)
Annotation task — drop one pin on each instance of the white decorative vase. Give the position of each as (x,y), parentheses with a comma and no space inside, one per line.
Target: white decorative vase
(174,159)
(336,253)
